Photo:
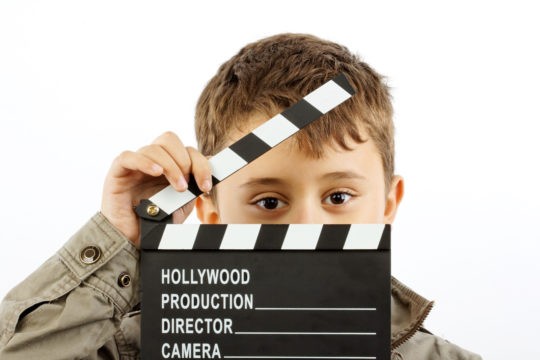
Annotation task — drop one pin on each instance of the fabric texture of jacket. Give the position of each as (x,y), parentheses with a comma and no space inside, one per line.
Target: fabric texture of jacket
(81,304)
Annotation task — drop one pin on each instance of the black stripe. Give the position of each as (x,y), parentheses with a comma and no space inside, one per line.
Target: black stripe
(302,113)
(333,237)
(209,237)
(250,147)
(194,188)
(151,239)
(341,80)
(384,244)
(271,237)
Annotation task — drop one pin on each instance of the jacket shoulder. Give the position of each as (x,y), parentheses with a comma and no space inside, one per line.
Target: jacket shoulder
(426,346)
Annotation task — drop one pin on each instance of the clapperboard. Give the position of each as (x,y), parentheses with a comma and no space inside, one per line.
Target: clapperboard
(252,291)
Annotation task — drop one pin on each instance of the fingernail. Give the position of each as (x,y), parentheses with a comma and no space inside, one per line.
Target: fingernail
(182,184)
(206,185)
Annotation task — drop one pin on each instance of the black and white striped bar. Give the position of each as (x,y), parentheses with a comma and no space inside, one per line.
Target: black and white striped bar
(262,139)
(267,237)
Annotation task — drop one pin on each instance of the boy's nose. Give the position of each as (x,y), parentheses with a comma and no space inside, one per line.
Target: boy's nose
(307,214)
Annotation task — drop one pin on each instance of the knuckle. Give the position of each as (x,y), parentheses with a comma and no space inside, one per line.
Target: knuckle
(149,148)
(168,136)
(123,156)
(172,171)
(196,155)
(169,133)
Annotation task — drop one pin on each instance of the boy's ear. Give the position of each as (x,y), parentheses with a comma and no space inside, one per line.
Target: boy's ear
(393,199)
(207,210)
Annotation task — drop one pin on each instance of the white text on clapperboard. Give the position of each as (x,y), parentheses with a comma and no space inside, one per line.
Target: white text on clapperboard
(199,301)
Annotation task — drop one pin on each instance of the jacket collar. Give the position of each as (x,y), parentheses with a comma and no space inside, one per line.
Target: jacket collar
(408,312)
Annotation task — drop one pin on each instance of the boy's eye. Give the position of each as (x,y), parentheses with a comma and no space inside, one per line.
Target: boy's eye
(337,198)
(270,203)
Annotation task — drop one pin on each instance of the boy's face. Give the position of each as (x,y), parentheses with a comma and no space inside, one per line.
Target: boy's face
(286,186)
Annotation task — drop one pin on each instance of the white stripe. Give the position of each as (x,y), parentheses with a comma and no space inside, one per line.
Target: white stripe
(225,162)
(364,236)
(327,97)
(302,237)
(240,237)
(275,130)
(179,237)
(168,199)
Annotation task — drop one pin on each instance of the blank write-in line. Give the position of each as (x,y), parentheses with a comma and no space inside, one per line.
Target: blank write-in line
(300,333)
(315,309)
(302,357)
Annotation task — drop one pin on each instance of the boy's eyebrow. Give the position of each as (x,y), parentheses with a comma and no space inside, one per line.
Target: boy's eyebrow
(263,181)
(337,175)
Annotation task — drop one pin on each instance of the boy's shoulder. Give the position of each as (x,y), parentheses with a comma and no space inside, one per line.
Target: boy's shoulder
(409,338)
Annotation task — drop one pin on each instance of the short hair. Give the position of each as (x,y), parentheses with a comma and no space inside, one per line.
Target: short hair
(269,75)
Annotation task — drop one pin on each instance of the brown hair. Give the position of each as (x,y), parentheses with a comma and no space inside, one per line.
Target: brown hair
(269,75)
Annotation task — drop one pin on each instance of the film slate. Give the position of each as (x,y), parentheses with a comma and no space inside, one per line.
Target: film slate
(248,291)
(255,291)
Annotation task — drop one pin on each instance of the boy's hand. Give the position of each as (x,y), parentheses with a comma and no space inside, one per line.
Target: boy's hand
(134,176)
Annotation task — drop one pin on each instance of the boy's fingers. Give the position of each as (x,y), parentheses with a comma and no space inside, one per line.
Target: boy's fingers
(201,169)
(172,172)
(128,161)
(168,156)
(176,149)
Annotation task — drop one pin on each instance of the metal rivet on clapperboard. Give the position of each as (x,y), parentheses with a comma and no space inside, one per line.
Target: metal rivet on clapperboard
(90,254)
(124,280)
(152,210)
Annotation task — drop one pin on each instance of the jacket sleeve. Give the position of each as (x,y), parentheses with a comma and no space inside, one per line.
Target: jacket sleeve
(72,306)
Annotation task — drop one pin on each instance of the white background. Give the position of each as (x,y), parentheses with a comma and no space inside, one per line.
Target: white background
(82,81)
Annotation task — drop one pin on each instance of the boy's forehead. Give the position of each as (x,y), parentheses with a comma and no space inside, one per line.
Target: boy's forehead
(254,120)
(249,123)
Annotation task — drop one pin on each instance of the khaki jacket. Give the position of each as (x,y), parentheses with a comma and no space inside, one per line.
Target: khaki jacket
(80,304)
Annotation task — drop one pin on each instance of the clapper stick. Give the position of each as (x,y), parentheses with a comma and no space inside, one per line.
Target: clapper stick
(266,136)
(268,237)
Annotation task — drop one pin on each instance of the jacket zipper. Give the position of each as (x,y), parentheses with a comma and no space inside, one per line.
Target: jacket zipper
(414,329)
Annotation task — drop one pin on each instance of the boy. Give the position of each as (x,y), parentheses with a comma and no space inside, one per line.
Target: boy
(83,303)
